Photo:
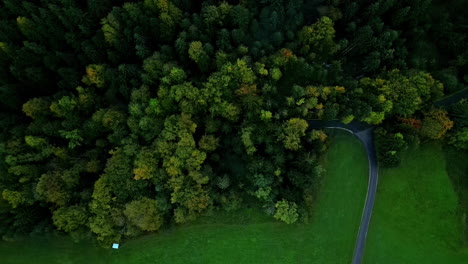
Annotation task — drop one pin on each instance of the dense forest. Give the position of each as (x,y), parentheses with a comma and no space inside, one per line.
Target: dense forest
(118,118)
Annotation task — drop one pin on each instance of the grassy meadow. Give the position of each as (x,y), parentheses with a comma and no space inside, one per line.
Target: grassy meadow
(416,217)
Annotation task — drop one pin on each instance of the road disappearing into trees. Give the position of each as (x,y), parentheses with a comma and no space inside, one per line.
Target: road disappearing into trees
(365,134)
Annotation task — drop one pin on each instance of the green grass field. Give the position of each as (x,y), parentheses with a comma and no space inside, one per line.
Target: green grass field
(247,236)
(415,217)
(457,171)
(51,250)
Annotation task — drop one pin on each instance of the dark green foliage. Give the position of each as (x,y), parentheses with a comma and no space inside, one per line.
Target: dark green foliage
(389,146)
(459,114)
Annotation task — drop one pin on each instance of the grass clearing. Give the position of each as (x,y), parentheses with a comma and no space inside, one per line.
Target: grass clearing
(246,236)
(458,173)
(415,217)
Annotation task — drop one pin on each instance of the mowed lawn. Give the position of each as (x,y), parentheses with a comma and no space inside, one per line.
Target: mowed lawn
(415,216)
(245,236)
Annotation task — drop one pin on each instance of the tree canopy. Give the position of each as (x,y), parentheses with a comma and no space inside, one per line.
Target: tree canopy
(118,118)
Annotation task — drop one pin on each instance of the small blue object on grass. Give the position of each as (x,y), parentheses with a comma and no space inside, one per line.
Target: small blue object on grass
(115,246)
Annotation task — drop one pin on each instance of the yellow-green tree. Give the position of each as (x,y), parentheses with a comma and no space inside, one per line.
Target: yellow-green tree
(435,124)
(144,214)
(293,130)
(286,211)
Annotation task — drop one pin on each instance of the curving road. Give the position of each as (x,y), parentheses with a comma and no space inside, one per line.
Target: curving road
(365,134)
(452,99)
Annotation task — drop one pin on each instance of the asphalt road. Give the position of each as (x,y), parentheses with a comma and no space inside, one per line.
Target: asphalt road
(365,134)
(449,100)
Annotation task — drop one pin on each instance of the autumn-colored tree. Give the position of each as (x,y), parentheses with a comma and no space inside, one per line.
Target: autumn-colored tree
(435,124)
(412,122)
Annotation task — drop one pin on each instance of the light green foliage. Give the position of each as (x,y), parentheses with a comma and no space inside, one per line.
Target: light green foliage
(265,115)
(101,206)
(144,214)
(187,96)
(182,163)
(286,211)
(64,106)
(196,50)
(111,28)
(260,69)
(176,75)
(198,54)
(36,107)
(241,72)
(293,130)
(95,75)
(70,218)
(14,198)
(146,164)
(208,143)
(211,15)
(35,142)
(26,27)
(263,193)
(5,51)
(347,119)
(195,161)
(375,118)
(426,85)
(317,39)
(216,90)
(223,182)
(27,171)
(402,95)
(168,13)
(73,136)
(276,74)
(248,143)
(110,192)
(318,135)
(460,138)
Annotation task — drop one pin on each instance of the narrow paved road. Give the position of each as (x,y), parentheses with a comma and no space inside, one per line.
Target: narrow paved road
(365,134)
(451,99)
